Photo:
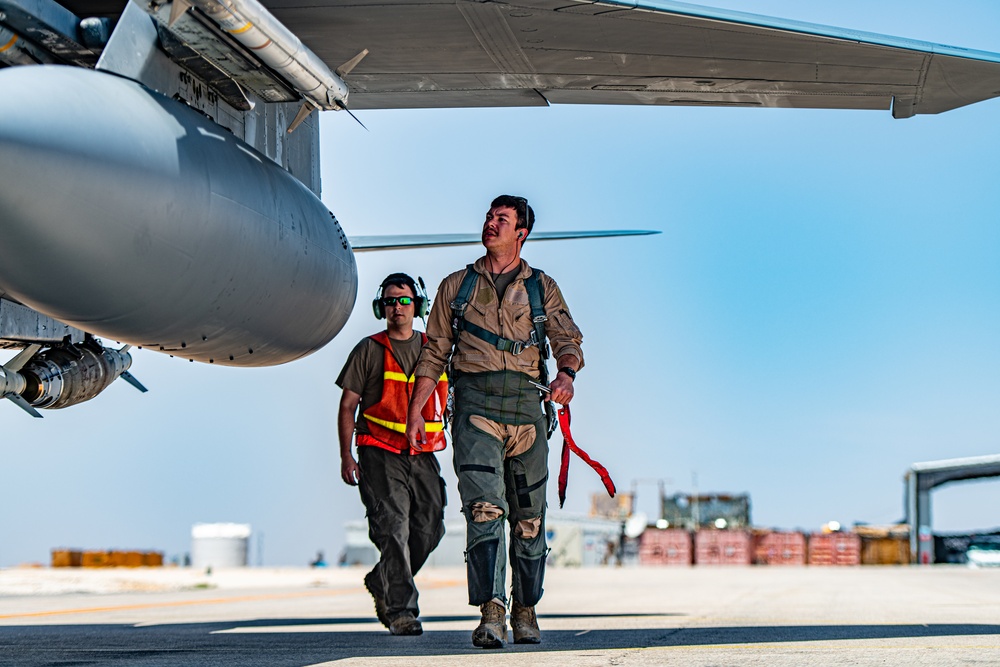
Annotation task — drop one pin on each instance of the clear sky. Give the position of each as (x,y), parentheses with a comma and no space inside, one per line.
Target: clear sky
(821,310)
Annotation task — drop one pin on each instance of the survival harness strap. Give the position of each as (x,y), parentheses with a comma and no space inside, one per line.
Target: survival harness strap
(536,301)
(534,287)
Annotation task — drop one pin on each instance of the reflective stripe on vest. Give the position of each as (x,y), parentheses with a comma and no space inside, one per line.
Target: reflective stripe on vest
(387,418)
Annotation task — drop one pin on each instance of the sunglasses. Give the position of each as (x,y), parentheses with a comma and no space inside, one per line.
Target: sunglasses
(389,301)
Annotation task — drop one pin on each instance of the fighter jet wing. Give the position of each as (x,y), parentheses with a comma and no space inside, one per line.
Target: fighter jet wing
(399,241)
(538,52)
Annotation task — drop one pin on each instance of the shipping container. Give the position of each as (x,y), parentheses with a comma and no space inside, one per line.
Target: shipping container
(885,550)
(665,547)
(834,549)
(132,559)
(722,547)
(66,558)
(152,559)
(779,548)
(114,558)
(884,545)
(94,559)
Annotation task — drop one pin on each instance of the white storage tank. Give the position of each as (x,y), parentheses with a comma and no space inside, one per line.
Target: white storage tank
(450,552)
(218,545)
(358,549)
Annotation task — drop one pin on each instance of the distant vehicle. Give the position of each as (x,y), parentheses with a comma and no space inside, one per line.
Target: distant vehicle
(984,552)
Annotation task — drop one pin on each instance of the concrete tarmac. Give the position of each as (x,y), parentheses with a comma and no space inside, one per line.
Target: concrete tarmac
(700,616)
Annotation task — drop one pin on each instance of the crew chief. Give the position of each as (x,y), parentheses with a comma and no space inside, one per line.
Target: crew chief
(401,486)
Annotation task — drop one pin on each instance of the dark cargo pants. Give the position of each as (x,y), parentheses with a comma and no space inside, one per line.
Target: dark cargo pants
(404,499)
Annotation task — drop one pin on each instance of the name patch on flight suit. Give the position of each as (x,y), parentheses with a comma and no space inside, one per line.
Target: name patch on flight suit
(517,297)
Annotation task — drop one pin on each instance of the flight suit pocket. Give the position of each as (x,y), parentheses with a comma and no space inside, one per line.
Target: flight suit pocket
(566,323)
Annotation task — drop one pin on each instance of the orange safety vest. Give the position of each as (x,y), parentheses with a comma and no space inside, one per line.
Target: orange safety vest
(387,418)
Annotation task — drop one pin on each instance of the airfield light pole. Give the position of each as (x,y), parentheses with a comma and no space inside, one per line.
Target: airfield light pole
(695,510)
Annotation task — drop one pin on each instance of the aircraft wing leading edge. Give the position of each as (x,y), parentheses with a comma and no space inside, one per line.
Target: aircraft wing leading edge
(401,241)
(539,52)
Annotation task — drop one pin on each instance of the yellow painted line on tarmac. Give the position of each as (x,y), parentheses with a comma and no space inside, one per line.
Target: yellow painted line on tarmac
(191,603)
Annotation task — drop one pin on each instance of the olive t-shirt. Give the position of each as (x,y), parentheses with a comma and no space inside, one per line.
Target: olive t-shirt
(503,281)
(363,371)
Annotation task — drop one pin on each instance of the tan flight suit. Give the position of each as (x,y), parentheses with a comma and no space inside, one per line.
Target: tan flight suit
(499,428)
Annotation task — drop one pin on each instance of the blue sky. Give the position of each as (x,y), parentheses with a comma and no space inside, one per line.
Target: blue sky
(820,311)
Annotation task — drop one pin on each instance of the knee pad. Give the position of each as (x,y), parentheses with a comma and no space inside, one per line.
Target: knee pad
(528,529)
(482,512)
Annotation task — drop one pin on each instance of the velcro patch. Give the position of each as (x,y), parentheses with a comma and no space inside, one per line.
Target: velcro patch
(485,296)
(517,296)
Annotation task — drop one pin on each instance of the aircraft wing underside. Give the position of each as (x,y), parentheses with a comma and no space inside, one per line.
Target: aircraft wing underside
(443,53)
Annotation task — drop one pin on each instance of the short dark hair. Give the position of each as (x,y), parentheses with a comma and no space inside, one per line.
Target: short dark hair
(400,280)
(525,215)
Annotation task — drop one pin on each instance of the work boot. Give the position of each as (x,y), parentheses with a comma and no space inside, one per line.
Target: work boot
(492,630)
(381,610)
(524,624)
(405,624)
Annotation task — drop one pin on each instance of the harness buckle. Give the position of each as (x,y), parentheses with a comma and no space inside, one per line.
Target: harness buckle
(517,348)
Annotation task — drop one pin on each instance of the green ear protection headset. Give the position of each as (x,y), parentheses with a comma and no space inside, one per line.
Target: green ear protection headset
(421,302)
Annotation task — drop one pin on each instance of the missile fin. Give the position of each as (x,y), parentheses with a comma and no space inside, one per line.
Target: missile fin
(346,68)
(177,9)
(306,109)
(128,377)
(24,405)
(18,362)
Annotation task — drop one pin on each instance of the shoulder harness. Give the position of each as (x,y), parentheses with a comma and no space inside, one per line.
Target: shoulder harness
(536,300)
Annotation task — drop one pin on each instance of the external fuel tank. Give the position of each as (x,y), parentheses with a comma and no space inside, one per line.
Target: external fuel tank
(133,217)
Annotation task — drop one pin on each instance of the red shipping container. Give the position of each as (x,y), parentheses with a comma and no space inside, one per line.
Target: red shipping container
(775,548)
(665,547)
(722,547)
(834,549)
